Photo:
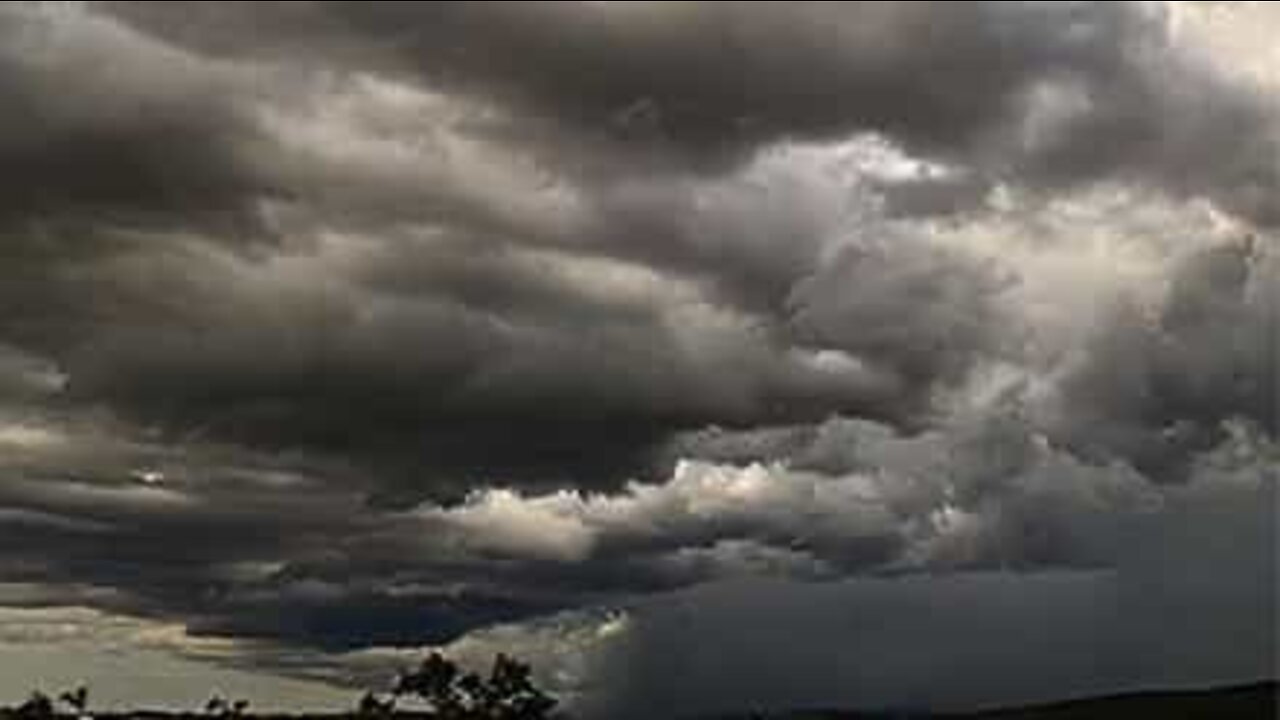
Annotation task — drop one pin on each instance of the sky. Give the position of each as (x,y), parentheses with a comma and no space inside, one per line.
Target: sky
(709,356)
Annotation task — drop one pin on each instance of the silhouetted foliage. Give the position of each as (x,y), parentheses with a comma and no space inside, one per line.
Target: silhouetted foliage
(507,693)
(221,707)
(37,707)
(216,705)
(436,681)
(77,699)
(372,705)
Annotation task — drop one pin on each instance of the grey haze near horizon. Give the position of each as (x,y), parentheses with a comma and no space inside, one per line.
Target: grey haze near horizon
(331,330)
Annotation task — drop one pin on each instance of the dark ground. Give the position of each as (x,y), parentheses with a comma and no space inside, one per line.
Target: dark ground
(1254,702)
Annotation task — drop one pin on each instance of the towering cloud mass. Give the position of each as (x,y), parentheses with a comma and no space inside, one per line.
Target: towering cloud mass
(332,328)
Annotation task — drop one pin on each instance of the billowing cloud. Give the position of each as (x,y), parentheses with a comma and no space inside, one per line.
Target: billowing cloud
(106,125)
(1062,91)
(1161,381)
(333,330)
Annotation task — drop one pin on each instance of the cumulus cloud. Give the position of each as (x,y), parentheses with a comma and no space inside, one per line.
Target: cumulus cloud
(439,268)
(851,497)
(332,327)
(1160,382)
(161,145)
(1061,91)
(1205,565)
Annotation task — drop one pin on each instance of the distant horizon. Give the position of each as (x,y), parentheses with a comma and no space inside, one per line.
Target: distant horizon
(1269,685)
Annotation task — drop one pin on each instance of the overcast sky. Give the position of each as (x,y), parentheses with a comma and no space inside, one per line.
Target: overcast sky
(708,355)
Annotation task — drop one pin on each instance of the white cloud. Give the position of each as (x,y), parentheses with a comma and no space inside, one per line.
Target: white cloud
(541,527)
(991,494)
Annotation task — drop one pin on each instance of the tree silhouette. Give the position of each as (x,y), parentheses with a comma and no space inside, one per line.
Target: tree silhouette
(37,707)
(221,707)
(373,705)
(77,699)
(436,681)
(507,693)
(215,706)
(510,692)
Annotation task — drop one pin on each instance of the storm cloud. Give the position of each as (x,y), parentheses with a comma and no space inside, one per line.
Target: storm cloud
(337,328)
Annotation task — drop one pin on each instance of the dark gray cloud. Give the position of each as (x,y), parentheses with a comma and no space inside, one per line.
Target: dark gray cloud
(1061,92)
(676,73)
(339,325)
(1177,610)
(945,313)
(289,550)
(1157,388)
(106,126)
(226,544)
(443,348)
(267,358)
(454,347)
